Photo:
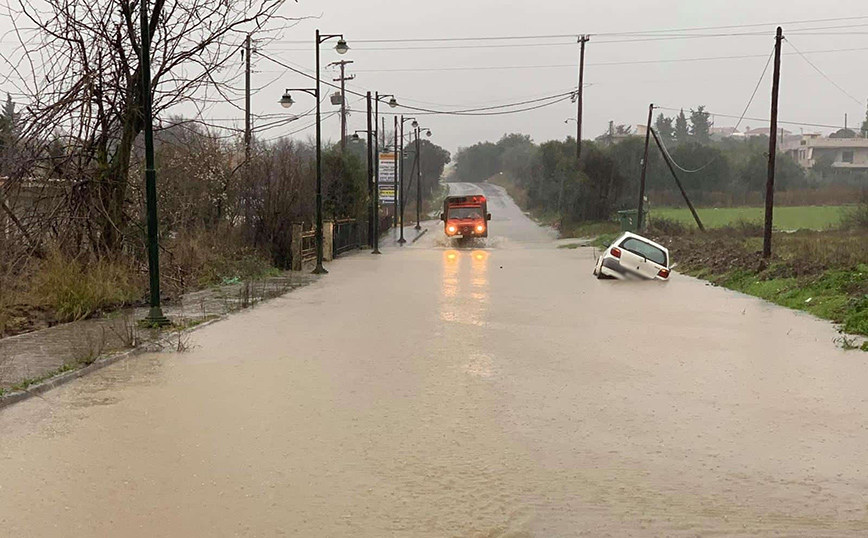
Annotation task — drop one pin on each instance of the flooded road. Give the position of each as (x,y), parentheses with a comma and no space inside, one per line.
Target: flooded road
(491,391)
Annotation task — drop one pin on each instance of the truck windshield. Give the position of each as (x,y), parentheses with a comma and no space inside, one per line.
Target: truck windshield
(465,213)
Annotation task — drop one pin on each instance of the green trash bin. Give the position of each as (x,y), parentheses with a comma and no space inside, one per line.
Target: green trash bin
(628,219)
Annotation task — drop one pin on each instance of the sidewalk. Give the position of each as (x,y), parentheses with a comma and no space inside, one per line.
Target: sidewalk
(40,354)
(411,234)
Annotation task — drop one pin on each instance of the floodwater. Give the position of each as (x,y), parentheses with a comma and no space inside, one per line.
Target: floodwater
(480,392)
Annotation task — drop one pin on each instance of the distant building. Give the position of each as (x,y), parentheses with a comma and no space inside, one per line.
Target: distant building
(719,133)
(765,131)
(843,153)
(617,134)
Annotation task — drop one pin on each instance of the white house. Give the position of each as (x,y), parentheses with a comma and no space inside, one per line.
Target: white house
(844,153)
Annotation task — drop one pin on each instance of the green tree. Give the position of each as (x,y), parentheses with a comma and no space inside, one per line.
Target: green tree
(709,168)
(8,134)
(665,128)
(520,162)
(700,125)
(682,132)
(477,163)
(434,160)
(753,174)
(865,125)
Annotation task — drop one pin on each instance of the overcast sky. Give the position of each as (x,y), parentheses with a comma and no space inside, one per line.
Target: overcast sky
(614,92)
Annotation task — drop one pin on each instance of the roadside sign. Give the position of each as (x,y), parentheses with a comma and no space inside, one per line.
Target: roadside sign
(388,190)
(388,194)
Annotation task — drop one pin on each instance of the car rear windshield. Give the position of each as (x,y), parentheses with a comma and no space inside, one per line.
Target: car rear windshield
(641,248)
(465,213)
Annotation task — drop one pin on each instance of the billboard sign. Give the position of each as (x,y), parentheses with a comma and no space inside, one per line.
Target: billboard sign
(388,190)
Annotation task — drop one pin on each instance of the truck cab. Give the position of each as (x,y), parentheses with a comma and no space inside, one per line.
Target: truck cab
(465,216)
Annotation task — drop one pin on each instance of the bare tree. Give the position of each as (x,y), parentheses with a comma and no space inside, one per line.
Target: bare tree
(78,66)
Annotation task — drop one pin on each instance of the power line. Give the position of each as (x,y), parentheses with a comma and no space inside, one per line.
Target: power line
(576,36)
(824,75)
(755,90)
(482,111)
(746,108)
(732,26)
(596,64)
(734,116)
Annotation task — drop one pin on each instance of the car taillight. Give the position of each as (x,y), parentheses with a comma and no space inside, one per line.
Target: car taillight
(663,273)
(616,252)
(480,228)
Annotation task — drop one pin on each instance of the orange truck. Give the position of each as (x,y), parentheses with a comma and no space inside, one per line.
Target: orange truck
(465,216)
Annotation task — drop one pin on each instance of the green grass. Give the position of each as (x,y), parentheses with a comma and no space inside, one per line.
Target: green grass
(590,229)
(786,218)
(828,296)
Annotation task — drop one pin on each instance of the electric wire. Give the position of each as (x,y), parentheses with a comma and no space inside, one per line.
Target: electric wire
(824,75)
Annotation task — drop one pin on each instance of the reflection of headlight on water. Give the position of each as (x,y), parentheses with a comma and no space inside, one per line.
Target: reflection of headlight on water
(451,255)
(480,255)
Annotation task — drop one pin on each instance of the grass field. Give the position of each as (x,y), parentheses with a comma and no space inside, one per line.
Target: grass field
(786,218)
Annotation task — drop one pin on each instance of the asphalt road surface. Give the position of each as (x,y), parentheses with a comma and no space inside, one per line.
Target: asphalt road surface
(497,390)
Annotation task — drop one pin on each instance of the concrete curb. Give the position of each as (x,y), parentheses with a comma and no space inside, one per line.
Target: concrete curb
(418,237)
(64,378)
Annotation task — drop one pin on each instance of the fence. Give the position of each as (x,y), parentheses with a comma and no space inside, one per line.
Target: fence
(339,237)
(349,235)
(303,245)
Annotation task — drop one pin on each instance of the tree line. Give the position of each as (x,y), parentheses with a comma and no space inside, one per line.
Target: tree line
(729,171)
(71,152)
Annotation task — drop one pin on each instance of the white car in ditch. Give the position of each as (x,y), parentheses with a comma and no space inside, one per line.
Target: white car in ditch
(632,256)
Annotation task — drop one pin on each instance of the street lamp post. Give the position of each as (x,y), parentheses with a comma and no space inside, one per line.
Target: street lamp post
(155,313)
(287,101)
(392,103)
(398,221)
(373,183)
(404,120)
(415,124)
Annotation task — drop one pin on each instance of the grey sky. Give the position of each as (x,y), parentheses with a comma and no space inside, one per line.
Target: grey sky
(620,93)
(615,92)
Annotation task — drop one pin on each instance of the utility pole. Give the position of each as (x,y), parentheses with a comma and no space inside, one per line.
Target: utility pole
(343,80)
(418,180)
(641,213)
(582,40)
(247,126)
(677,181)
(773,149)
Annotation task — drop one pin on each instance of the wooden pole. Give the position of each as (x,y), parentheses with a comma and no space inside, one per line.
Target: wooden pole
(773,149)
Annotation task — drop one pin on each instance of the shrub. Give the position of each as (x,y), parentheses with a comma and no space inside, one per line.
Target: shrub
(74,290)
(664,226)
(201,259)
(856,217)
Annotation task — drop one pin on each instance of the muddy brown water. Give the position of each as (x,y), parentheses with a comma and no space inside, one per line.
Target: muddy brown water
(480,392)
